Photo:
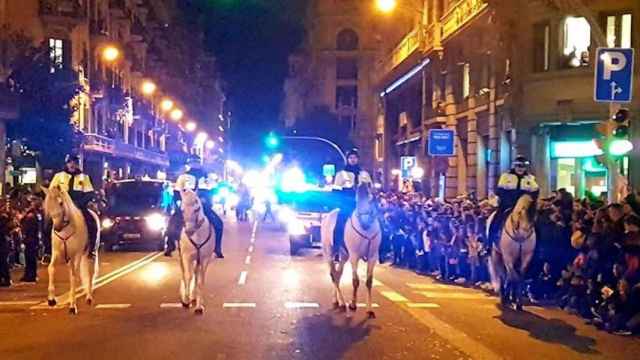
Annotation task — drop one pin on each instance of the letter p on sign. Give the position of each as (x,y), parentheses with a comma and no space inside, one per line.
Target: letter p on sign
(613,61)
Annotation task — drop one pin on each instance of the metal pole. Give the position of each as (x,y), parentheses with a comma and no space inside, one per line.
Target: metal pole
(317,138)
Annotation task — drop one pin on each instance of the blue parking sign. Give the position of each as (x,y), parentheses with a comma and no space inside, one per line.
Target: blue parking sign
(614,75)
(441,142)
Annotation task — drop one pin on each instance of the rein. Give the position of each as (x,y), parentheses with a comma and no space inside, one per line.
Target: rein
(367,238)
(66,224)
(514,237)
(199,225)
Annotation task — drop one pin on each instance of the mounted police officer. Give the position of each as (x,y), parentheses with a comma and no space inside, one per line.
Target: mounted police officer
(195,179)
(347,181)
(511,186)
(79,187)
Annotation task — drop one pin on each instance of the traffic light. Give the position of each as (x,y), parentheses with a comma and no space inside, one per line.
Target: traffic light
(620,144)
(272,141)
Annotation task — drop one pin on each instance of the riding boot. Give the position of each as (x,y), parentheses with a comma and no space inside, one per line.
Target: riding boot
(173,233)
(338,234)
(218,226)
(92,230)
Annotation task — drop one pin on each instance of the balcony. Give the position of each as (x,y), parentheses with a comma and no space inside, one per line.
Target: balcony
(72,11)
(460,15)
(116,148)
(407,46)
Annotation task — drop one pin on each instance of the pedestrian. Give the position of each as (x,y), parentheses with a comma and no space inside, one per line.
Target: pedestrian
(5,276)
(30,225)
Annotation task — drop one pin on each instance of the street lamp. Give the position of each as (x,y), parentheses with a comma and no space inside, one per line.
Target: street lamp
(166,105)
(191,126)
(176,114)
(210,144)
(201,138)
(148,87)
(386,6)
(110,53)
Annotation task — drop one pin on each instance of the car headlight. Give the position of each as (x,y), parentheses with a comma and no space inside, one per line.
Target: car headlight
(286,215)
(107,223)
(156,222)
(296,227)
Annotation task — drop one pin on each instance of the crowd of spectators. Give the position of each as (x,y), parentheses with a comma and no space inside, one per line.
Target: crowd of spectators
(587,256)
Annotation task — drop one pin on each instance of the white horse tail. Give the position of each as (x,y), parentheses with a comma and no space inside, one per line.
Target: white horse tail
(96,267)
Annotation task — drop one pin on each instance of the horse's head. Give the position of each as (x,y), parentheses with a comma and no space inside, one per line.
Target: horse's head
(525,208)
(364,206)
(57,206)
(192,212)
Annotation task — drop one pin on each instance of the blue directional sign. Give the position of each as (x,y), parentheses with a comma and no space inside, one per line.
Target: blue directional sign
(614,75)
(406,164)
(441,142)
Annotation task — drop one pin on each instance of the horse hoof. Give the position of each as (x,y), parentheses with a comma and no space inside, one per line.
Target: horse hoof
(519,307)
(199,311)
(185,304)
(371,315)
(73,311)
(89,302)
(353,307)
(335,305)
(342,308)
(52,302)
(193,303)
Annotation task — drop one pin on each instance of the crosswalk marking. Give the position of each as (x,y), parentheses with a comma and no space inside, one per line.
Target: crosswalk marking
(454,295)
(394,296)
(374,305)
(423,305)
(298,305)
(243,278)
(429,286)
(239,305)
(112,306)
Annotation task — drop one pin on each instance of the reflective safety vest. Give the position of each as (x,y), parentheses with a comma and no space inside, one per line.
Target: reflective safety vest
(347,180)
(81,182)
(188,181)
(509,181)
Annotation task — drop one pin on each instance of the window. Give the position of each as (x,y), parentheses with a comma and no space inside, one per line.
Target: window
(466,80)
(56,54)
(347,40)
(541,41)
(618,30)
(347,96)
(347,69)
(577,40)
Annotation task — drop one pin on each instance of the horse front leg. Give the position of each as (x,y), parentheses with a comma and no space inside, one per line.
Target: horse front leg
(336,271)
(87,279)
(356,284)
(185,282)
(73,273)
(201,270)
(371,264)
(51,290)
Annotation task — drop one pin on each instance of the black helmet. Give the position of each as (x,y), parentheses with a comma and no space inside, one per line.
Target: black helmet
(71,158)
(353,151)
(520,160)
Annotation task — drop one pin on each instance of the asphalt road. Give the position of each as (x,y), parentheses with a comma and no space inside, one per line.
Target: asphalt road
(264,304)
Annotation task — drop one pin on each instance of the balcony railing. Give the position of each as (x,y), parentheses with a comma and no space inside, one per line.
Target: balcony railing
(460,14)
(117,148)
(410,43)
(64,8)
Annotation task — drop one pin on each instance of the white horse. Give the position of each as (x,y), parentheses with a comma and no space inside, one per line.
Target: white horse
(196,249)
(362,237)
(512,254)
(69,243)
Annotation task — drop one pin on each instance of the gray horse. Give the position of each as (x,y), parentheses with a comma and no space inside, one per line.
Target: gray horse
(512,254)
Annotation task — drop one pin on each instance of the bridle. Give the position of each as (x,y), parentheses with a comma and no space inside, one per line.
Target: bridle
(65,224)
(369,239)
(199,224)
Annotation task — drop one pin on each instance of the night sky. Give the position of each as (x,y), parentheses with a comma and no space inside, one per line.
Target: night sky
(251,40)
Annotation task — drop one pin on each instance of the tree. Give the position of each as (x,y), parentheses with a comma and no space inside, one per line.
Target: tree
(45,92)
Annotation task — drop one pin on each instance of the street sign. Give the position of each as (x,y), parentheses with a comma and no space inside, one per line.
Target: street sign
(441,142)
(613,75)
(406,164)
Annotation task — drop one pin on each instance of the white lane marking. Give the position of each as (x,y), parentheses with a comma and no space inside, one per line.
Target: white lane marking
(112,306)
(423,305)
(44,306)
(243,278)
(363,305)
(251,249)
(394,296)
(24,302)
(104,280)
(299,305)
(454,295)
(239,305)
(247,260)
(170,305)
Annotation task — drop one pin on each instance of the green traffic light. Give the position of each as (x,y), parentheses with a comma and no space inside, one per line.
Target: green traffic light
(620,147)
(272,141)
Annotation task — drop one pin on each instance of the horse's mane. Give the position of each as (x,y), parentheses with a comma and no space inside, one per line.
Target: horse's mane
(67,203)
(362,192)
(525,206)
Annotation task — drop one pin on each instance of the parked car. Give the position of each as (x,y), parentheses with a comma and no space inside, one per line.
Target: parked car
(137,214)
